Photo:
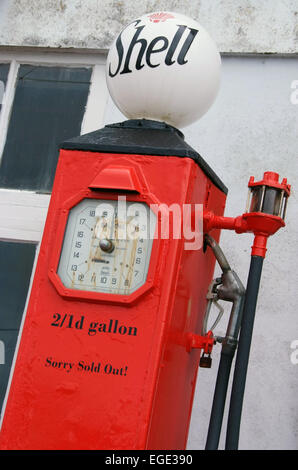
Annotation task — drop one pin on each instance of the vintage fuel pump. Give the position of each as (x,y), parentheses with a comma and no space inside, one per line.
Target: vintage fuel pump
(116,324)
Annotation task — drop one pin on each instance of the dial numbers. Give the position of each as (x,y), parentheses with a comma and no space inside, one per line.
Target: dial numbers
(106,248)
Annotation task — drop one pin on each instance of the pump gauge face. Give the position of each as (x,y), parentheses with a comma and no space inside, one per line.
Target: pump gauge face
(107,246)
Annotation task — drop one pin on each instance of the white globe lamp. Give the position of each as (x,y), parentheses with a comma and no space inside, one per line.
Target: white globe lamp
(163,66)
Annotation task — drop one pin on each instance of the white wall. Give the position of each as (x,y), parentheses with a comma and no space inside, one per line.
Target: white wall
(251,128)
(237,26)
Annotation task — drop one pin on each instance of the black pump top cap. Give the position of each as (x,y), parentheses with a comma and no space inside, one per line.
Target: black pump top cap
(141,137)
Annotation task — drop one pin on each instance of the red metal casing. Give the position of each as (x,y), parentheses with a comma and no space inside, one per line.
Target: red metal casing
(123,391)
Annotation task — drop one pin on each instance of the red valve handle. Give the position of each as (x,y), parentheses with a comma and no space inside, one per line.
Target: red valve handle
(201,342)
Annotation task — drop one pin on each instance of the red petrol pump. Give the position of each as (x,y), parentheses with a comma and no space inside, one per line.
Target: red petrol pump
(105,359)
(116,324)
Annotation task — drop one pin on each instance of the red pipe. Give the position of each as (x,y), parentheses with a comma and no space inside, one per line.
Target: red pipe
(262,225)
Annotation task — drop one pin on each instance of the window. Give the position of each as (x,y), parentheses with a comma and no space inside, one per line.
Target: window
(45,98)
(14,284)
(48,107)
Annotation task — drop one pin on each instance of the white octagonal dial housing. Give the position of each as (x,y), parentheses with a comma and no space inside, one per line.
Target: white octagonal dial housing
(107,246)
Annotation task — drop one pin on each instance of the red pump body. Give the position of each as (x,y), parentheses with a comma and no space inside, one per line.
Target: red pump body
(130,384)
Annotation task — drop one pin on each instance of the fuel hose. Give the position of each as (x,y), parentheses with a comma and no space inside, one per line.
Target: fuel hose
(242,358)
(232,290)
(219,400)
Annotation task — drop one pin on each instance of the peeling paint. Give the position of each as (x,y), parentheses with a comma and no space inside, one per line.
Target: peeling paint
(237,26)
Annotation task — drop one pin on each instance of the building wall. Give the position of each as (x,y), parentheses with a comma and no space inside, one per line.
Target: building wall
(251,128)
(241,26)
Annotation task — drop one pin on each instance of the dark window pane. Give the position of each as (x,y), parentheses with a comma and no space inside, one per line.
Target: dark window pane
(8,340)
(48,108)
(16,261)
(4,69)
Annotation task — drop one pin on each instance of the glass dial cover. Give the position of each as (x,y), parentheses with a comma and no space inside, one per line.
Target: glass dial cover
(107,246)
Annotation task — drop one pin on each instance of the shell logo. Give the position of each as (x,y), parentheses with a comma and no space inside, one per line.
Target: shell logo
(163,66)
(160,17)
